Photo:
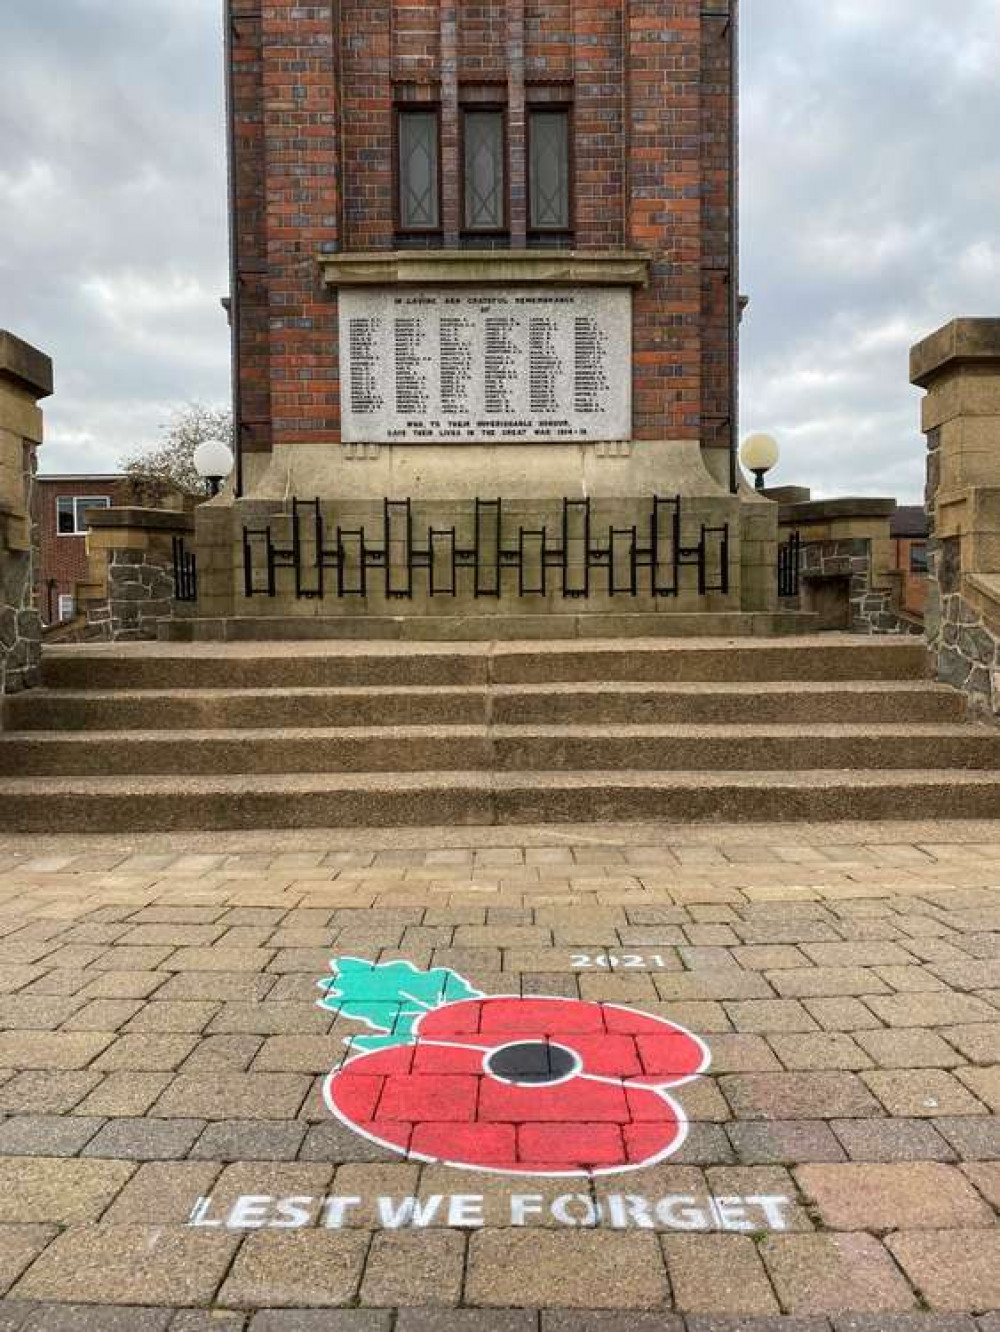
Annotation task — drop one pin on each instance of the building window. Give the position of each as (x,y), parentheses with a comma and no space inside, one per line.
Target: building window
(418,177)
(918,557)
(484,151)
(549,170)
(70,511)
(67,606)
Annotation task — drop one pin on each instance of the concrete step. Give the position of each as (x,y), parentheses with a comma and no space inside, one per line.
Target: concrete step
(324,664)
(621,703)
(148,804)
(784,748)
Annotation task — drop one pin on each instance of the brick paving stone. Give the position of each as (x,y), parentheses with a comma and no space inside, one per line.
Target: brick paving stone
(296,1269)
(983,1083)
(827,1274)
(477,1320)
(88,1318)
(913,1196)
(57,1189)
(45,1092)
(25,1012)
(798,1095)
(198,1320)
(130,1265)
(173,1015)
(125,1094)
(229,986)
(335,1142)
(567,1270)
(975,1138)
(892,1140)
(728,1324)
(19,1247)
(311,1320)
(770,957)
(270,1019)
(103,1015)
(234,1096)
(123,984)
(930,1009)
(147,1052)
(922,1093)
(717,1274)
(908,1047)
(922,1322)
(952,1269)
(841,1014)
(51,1049)
(786,1142)
(770,1015)
(742,1053)
(576,1320)
(46,1135)
(978,1042)
(249,1140)
(162,1191)
(985,1176)
(826,982)
(217,1054)
(705,1144)
(145,1139)
(819,1050)
(414,1268)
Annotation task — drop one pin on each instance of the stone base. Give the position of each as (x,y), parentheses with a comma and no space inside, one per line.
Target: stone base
(506,628)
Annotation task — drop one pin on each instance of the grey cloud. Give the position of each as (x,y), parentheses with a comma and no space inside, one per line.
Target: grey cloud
(871,202)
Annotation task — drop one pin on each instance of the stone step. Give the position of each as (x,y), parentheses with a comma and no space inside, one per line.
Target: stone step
(324,664)
(805,702)
(784,748)
(157,804)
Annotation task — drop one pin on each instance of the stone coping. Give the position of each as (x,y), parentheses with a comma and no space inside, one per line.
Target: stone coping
(821,511)
(963,341)
(487,267)
(28,367)
(150,520)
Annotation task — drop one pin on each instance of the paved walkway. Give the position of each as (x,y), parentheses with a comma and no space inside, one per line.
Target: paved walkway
(714,1079)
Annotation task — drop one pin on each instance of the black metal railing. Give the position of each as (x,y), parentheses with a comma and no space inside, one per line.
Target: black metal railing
(327,558)
(790,566)
(185,572)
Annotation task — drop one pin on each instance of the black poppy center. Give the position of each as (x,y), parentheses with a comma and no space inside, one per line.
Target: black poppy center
(531,1062)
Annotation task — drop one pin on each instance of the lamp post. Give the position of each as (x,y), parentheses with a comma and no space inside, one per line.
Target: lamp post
(213,461)
(758,455)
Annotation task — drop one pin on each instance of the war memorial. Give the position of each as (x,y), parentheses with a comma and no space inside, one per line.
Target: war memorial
(491,868)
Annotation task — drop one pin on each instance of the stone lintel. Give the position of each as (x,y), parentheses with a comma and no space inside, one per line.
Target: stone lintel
(487,268)
(836,510)
(24,365)
(145,520)
(970,342)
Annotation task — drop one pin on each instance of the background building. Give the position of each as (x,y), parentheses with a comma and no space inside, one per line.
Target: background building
(60,504)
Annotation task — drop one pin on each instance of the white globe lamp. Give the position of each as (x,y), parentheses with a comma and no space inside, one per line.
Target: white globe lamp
(758,455)
(213,461)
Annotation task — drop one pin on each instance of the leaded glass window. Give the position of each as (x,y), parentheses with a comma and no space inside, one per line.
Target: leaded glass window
(549,171)
(419,194)
(485,186)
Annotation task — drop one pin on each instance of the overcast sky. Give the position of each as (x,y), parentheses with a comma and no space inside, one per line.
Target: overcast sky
(871,214)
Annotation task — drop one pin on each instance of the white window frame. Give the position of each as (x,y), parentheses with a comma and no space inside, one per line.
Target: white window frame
(80,505)
(66,599)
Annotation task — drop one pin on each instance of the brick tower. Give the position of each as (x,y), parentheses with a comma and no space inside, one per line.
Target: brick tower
(485,308)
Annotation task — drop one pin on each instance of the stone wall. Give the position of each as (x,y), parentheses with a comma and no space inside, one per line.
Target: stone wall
(871,608)
(131,561)
(25,378)
(959,366)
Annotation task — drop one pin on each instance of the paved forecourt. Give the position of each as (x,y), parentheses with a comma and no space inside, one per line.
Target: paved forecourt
(575,1080)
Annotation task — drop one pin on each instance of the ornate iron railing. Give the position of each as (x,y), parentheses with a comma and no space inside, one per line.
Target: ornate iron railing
(185,572)
(790,566)
(566,563)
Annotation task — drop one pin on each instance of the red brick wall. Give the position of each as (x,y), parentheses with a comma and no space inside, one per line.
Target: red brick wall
(313,90)
(64,558)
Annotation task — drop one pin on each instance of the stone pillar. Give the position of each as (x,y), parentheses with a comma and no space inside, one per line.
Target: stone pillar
(131,555)
(847,573)
(25,378)
(959,366)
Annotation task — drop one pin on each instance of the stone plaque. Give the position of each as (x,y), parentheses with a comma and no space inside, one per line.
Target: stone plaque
(466,365)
